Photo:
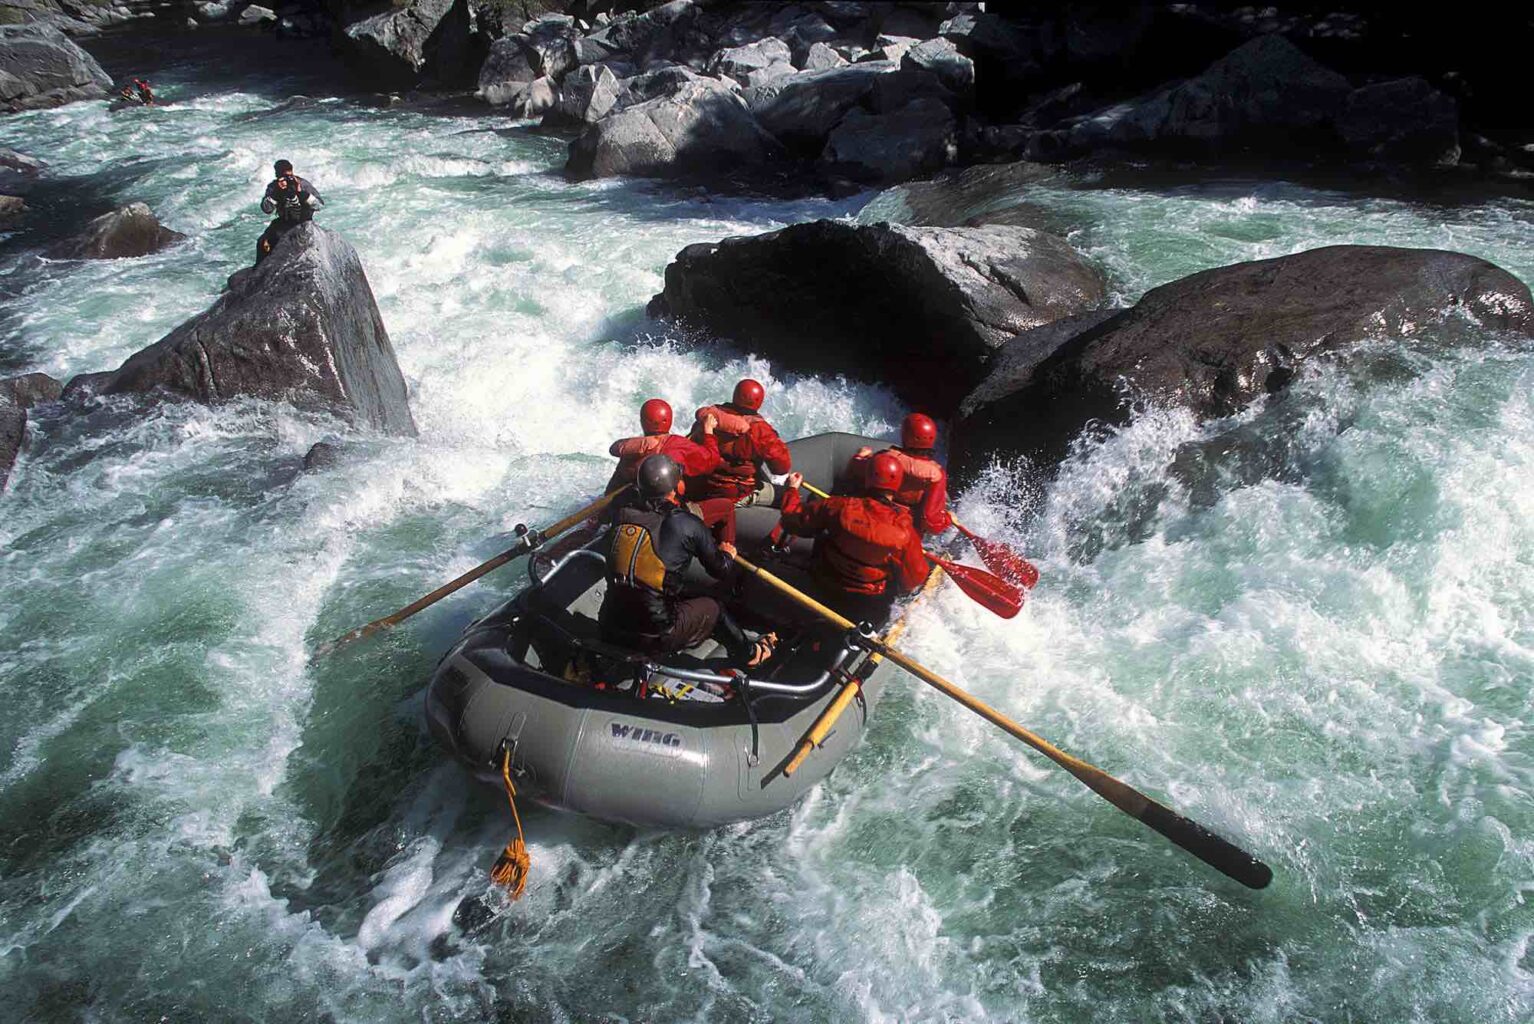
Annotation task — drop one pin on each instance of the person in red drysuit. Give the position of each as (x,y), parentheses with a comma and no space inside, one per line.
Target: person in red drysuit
(925,487)
(697,458)
(867,551)
(746,442)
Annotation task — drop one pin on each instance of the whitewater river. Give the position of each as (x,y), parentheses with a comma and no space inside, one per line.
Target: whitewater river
(1322,648)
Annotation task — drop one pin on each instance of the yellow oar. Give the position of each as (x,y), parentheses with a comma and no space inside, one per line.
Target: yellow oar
(530,539)
(1218,853)
(833,711)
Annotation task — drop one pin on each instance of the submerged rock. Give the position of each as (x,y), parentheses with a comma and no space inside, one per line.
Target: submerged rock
(131,231)
(301,327)
(919,309)
(41,67)
(703,128)
(17,395)
(1214,341)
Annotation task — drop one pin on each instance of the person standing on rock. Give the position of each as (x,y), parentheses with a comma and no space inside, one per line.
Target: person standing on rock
(924,489)
(648,551)
(867,551)
(292,199)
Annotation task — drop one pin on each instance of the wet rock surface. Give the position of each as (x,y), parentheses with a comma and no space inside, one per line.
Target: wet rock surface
(1214,341)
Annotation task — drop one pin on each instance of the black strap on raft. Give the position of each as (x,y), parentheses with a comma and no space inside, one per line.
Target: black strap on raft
(743,687)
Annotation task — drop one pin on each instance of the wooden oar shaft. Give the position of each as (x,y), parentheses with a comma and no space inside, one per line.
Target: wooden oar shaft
(1218,853)
(484,568)
(833,711)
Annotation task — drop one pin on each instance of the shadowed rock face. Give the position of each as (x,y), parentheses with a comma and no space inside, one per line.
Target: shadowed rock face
(398,44)
(1214,341)
(131,231)
(919,309)
(41,67)
(17,395)
(302,327)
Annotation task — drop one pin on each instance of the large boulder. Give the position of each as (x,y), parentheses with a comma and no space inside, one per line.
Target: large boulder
(919,309)
(545,48)
(942,58)
(1402,121)
(670,32)
(919,139)
(1214,341)
(300,327)
(131,231)
(804,111)
(402,44)
(41,67)
(17,395)
(701,129)
(1265,95)
(741,62)
(585,97)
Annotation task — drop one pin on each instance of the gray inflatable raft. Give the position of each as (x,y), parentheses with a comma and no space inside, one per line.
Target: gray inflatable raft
(524,680)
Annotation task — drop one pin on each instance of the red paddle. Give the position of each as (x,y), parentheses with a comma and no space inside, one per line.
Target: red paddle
(996,595)
(1002,560)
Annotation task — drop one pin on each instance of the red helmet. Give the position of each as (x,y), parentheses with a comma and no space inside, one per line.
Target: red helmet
(885,473)
(918,432)
(749,395)
(655,416)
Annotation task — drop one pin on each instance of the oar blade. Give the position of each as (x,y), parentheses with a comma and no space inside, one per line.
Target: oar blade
(994,594)
(1003,561)
(1220,854)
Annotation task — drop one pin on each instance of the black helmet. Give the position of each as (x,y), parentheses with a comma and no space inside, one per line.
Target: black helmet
(658,477)
(282,167)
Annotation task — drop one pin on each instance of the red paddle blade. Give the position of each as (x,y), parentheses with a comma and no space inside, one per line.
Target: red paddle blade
(996,595)
(1003,561)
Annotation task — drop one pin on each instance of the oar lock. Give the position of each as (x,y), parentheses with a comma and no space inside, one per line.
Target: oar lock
(532,538)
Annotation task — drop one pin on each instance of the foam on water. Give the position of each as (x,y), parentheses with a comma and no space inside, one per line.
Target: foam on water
(1321,645)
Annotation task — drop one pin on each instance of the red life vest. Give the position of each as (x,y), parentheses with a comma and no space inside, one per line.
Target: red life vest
(921,472)
(631,451)
(736,475)
(858,553)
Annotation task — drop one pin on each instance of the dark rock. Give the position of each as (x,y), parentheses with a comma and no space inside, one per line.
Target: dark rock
(1403,121)
(704,128)
(301,327)
(122,234)
(1264,95)
(587,95)
(654,85)
(805,35)
(973,195)
(1214,341)
(904,86)
(11,210)
(942,58)
(545,48)
(669,32)
(919,309)
(17,395)
(20,163)
(1014,361)
(909,22)
(415,40)
(804,111)
(41,67)
(322,456)
(738,62)
(918,139)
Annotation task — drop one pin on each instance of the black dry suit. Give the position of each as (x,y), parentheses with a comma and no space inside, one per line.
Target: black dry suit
(648,552)
(294,201)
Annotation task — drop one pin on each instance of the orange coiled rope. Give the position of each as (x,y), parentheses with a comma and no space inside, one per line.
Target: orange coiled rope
(512,866)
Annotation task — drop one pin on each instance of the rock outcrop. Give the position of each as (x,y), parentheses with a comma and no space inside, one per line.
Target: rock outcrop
(400,44)
(702,129)
(919,309)
(42,67)
(131,231)
(1214,341)
(544,49)
(918,139)
(1402,121)
(301,327)
(17,395)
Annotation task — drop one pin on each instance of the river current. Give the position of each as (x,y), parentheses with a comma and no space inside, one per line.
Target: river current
(1320,642)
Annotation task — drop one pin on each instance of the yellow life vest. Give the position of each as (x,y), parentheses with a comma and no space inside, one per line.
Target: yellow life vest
(631,557)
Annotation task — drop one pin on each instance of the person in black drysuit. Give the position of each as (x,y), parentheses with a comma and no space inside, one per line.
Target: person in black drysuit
(653,542)
(292,199)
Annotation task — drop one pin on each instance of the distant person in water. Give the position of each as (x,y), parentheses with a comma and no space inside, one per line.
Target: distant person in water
(292,199)
(137,91)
